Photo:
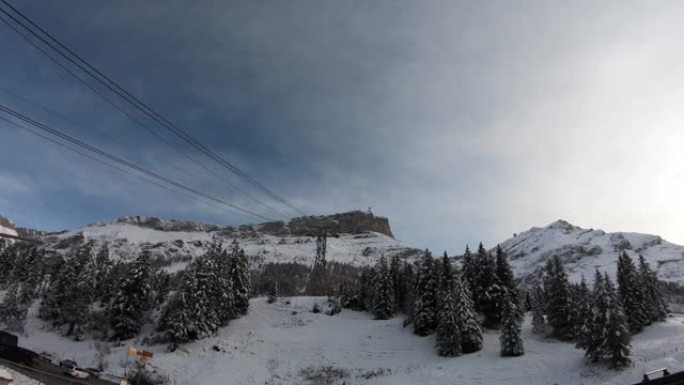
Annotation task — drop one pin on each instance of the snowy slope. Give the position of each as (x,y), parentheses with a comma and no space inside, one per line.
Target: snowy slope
(16,377)
(287,344)
(584,250)
(126,240)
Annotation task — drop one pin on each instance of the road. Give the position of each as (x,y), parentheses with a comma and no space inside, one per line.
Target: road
(50,374)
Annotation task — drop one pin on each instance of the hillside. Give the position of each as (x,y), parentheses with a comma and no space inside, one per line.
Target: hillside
(356,238)
(286,344)
(584,250)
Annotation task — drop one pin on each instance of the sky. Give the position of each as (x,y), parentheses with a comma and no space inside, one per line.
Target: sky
(459,121)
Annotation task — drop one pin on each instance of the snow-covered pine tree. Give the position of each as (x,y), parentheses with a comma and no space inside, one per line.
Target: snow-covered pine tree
(240,278)
(558,296)
(511,343)
(56,293)
(631,294)
(448,328)
(595,329)
(537,304)
(398,282)
(505,273)
(466,318)
(222,292)
(617,330)
(383,291)
(80,290)
(507,282)
(655,301)
(444,273)
(424,317)
(581,310)
(366,287)
(103,273)
(205,295)
(469,270)
(178,323)
(131,301)
(13,309)
(489,289)
(408,277)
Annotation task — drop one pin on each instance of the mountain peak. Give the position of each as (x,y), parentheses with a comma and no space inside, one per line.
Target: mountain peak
(562,224)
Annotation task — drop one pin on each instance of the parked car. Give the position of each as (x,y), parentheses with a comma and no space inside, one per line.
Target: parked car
(68,364)
(94,372)
(78,373)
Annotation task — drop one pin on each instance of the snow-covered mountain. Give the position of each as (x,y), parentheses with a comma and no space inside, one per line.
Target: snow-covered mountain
(584,250)
(360,238)
(356,238)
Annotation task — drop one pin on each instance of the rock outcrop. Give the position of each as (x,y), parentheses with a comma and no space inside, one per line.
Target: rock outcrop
(352,222)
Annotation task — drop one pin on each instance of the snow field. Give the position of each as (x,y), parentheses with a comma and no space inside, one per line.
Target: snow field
(287,344)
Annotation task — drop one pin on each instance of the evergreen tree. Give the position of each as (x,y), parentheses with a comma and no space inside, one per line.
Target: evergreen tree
(383,292)
(537,304)
(222,292)
(424,317)
(469,270)
(178,323)
(617,330)
(511,343)
(487,290)
(466,318)
(103,273)
(581,306)
(654,299)
(14,308)
(409,283)
(595,329)
(631,294)
(558,306)
(396,272)
(132,299)
(448,328)
(240,278)
(505,273)
(366,288)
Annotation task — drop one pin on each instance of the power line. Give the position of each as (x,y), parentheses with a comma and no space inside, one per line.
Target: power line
(101,161)
(127,114)
(93,72)
(72,121)
(124,162)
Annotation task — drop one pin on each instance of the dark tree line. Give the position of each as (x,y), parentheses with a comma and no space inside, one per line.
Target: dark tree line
(84,291)
(437,299)
(602,320)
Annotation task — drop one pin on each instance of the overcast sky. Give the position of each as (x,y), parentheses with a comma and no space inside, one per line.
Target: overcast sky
(460,121)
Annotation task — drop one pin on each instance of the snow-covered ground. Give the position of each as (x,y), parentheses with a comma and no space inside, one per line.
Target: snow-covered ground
(584,250)
(125,242)
(16,377)
(287,344)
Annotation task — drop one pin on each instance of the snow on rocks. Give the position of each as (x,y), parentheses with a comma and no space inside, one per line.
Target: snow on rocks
(584,250)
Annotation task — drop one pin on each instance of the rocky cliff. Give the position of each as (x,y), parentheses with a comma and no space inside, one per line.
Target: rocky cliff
(352,222)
